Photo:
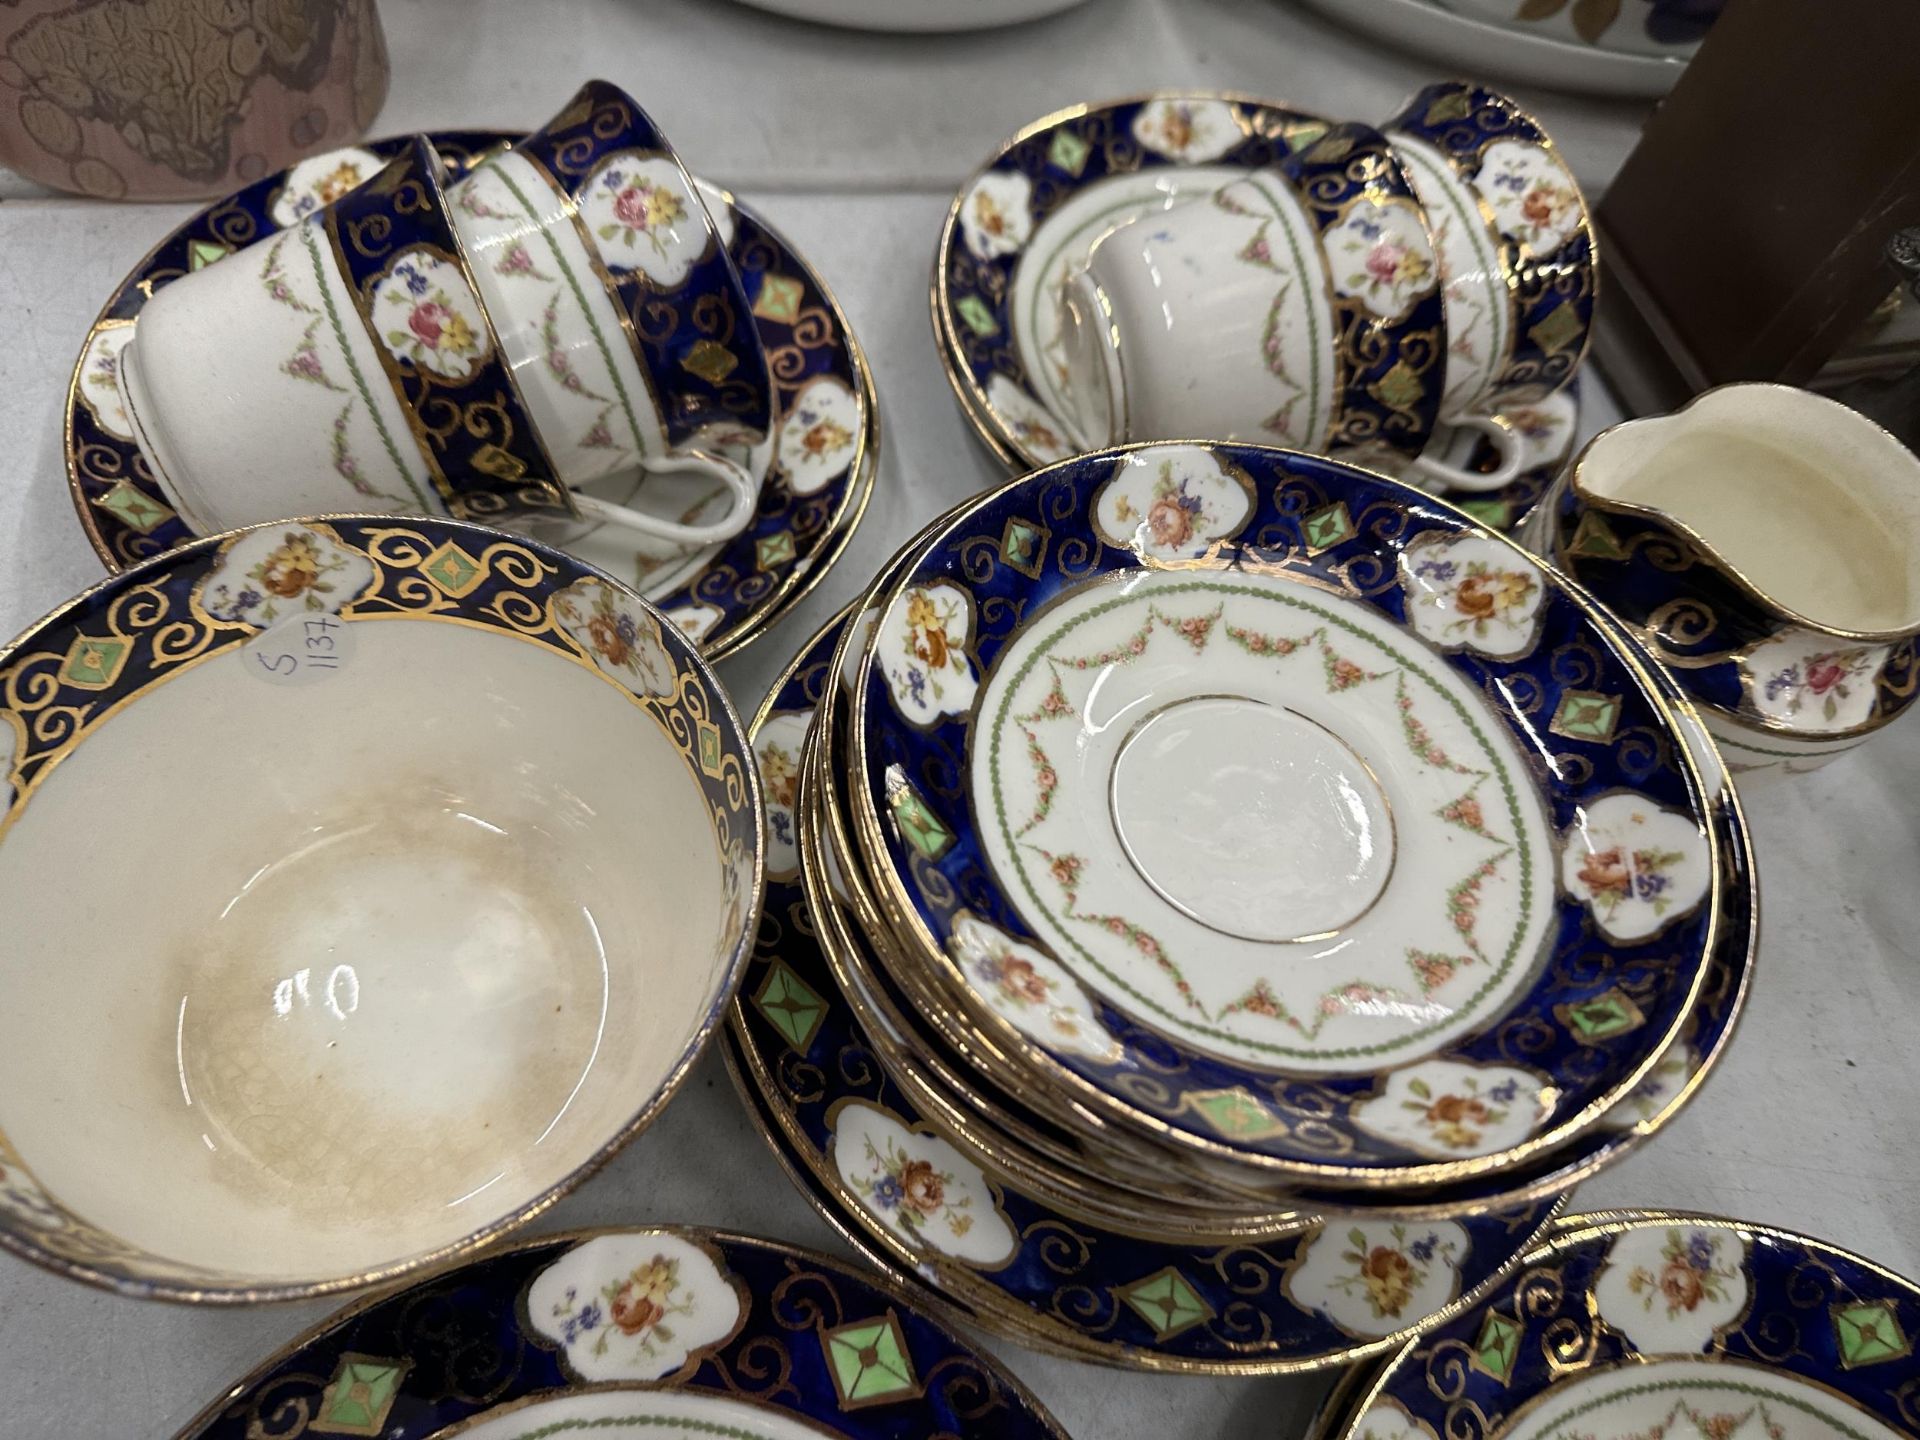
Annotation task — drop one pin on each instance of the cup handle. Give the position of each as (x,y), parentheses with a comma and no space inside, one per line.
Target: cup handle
(1505,439)
(744,488)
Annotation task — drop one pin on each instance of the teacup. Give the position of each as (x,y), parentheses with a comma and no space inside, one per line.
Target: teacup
(348,364)
(619,311)
(420,862)
(1765,543)
(1514,239)
(1300,306)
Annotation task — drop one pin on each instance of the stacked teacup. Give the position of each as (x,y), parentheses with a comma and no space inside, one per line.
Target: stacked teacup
(1371,289)
(550,339)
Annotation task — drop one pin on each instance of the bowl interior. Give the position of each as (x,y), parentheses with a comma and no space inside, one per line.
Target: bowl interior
(307,980)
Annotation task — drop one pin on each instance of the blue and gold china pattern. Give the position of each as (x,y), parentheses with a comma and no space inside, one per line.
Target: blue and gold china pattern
(1036,172)
(397,250)
(1072,152)
(1587,1025)
(1533,204)
(1391,350)
(1701,618)
(1641,1324)
(800,529)
(680,1330)
(1010,1262)
(696,355)
(1672,1083)
(75,670)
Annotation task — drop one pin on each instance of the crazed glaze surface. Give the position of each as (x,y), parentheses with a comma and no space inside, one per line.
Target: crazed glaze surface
(396,978)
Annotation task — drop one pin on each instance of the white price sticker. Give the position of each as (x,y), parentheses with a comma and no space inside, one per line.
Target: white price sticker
(300,650)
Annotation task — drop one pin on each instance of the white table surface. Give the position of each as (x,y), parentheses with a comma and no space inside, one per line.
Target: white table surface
(853,144)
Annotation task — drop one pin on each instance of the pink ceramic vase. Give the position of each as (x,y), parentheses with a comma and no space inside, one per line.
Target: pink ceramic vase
(182,99)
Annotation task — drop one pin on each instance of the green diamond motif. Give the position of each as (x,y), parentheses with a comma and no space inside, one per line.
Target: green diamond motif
(1401,388)
(790,1007)
(1235,1113)
(923,829)
(1594,538)
(780,297)
(1559,330)
(770,552)
(1584,715)
(869,1362)
(453,570)
(1068,152)
(202,253)
(1327,528)
(709,740)
(710,360)
(1498,1345)
(1302,133)
(978,315)
(1495,514)
(1168,1303)
(137,511)
(1602,1017)
(1022,546)
(1869,1332)
(1450,106)
(94,664)
(357,1399)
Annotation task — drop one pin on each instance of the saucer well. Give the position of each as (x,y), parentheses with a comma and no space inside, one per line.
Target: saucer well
(632,1333)
(1628,1324)
(1520,833)
(914,1204)
(824,458)
(1036,208)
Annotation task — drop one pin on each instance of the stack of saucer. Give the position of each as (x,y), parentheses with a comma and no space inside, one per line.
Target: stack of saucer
(1183,846)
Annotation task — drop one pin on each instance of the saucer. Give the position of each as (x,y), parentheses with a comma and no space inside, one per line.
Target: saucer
(1673,1081)
(1036,208)
(1507,834)
(825,454)
(627,1334)
(1638,1324)
(924,1212)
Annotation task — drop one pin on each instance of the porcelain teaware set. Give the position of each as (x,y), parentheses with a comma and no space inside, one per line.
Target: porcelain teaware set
(1201,909)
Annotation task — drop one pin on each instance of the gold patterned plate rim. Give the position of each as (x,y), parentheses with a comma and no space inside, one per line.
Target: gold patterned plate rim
(799,581)
(1356,1391)
(975,1301)
(907,924)
(905,1294)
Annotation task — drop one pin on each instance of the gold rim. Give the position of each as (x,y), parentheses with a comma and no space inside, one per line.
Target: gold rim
(907,922)
(992,1139)
(758,618)
(390,1274)
(886,1283)
(1572,1231)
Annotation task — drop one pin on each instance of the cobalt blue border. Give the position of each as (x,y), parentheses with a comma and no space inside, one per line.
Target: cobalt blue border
(1572,654)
